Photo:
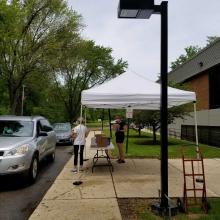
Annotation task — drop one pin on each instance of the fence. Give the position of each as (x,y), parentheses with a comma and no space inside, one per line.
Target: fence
(176,133)
(206,134)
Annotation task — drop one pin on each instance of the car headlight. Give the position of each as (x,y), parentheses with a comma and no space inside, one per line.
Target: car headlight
(21,150)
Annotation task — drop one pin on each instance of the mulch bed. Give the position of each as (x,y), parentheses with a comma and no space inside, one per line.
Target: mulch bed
(140,209)
(135,208)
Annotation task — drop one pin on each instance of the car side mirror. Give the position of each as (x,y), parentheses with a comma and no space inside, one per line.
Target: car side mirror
(42,134)
(46,128)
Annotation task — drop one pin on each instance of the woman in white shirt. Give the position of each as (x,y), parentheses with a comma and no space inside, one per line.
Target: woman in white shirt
(79,134)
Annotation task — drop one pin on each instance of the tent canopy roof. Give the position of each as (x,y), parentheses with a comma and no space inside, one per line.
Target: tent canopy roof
(134,91)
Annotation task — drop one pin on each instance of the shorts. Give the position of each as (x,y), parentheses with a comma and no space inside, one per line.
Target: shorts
(120,138)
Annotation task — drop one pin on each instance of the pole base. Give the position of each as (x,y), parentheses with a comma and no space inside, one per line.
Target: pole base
(77,183)
(172,210)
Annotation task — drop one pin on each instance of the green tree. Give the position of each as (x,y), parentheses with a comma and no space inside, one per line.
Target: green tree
(211,39)
(29,32)
(190,52)
(3,97)
(83,66)
(40,98)
(152,118)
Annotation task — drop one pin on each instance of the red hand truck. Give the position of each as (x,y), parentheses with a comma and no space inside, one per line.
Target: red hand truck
(194,188)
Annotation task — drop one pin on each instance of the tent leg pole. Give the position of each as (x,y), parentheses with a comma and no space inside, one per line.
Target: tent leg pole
(196,131)
(81,109)
(127,135)
(110,127)
(198,179)
(102,118)
(85,115)
(85,159)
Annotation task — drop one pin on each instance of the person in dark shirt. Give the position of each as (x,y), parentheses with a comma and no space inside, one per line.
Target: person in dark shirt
(120,135)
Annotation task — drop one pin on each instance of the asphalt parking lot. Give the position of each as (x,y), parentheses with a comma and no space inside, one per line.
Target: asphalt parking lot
(18,199)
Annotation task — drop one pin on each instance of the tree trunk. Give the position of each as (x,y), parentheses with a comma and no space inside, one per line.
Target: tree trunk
(13,101)
(139,131)
(72,113)
(154,135)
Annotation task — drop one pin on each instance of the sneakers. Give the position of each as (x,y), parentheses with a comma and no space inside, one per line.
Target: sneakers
(74,170)
(120,161)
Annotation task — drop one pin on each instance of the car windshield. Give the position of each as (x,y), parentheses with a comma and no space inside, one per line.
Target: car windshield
(62,127)
(16,128)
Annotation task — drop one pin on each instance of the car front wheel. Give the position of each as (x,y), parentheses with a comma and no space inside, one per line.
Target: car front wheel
(33,170)
(51,157)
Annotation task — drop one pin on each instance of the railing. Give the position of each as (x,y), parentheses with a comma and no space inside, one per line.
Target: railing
(207,134)
(176,133)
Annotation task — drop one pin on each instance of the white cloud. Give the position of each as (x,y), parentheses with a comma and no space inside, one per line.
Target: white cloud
(138,41)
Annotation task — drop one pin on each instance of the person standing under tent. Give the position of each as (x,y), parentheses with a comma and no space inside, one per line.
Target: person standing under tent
(79,134)
(120,128)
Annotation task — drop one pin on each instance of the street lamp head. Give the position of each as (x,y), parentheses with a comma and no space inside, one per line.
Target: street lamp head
(135,9)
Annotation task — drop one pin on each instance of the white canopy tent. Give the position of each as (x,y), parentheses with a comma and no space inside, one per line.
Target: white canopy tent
(131,90)
(134,91)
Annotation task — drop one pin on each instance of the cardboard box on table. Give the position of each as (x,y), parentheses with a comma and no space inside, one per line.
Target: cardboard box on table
(102,141)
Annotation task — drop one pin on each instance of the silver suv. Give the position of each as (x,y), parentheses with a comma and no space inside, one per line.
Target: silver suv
(24,141)
(63,133)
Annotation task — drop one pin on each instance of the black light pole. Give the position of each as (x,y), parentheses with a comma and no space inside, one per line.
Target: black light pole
(163,106)
(143,9)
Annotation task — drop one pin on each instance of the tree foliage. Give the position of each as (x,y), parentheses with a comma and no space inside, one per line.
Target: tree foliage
(211,39)
(190,52)
(91,66)
(152,118)
(29,30)
(41,48)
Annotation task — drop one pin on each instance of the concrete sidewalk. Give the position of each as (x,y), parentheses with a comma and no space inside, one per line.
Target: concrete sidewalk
(97,197)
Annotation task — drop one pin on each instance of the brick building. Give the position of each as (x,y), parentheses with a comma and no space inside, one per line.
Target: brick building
(202,75)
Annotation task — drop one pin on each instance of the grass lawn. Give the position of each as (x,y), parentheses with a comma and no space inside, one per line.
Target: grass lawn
(143,147)
(98,125)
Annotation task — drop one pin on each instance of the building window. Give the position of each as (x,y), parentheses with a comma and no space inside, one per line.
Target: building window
(214,87)
(206,134)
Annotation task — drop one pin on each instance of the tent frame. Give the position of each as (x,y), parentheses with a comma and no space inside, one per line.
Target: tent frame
(117,94)
(127,138)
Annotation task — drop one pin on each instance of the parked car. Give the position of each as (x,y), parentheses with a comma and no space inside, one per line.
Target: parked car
(24,142)
(63,133)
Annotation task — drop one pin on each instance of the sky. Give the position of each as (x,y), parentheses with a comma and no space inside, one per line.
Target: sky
(137,41)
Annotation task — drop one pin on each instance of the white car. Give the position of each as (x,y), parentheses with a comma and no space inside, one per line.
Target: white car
(24,142)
